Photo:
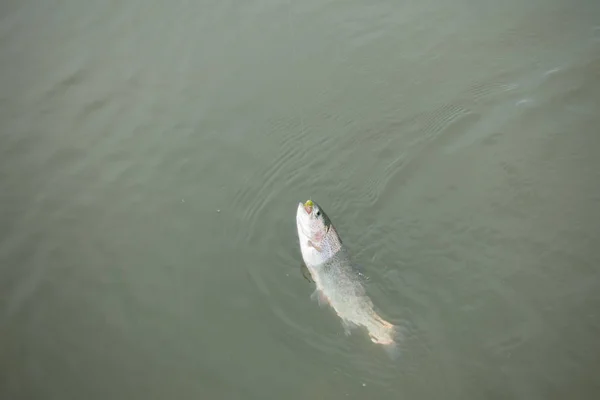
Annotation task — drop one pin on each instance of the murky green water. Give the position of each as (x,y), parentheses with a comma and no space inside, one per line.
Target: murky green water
(153,153)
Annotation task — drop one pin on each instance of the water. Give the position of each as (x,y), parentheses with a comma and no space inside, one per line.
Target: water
(152,155)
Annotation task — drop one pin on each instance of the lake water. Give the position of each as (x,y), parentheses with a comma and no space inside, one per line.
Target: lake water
(153,153)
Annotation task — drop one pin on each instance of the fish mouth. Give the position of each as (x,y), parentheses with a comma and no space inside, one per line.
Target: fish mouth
(308,206)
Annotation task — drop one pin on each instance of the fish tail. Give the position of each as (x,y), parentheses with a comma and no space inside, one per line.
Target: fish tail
(392,350)
(386,334)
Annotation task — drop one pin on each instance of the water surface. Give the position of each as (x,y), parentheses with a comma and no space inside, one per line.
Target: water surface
(152,155)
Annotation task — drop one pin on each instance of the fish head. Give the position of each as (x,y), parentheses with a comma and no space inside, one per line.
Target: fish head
(314,226)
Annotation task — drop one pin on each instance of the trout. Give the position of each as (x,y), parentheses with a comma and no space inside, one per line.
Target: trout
(337,282)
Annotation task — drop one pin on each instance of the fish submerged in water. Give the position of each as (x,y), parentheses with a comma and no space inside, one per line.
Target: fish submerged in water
(337,284)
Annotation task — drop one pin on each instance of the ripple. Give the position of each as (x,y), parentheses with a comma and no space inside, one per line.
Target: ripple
(487,89)
(250,199)
(524,103)
(425,133)
(259,281)
(293,158)
(551,71)
(434,122)
(427,127)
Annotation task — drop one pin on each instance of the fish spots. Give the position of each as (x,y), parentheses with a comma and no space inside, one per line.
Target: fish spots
(318,236)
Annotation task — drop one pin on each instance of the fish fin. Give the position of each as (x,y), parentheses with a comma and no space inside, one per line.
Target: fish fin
(392,350)
(348,326)
(311,244)
(320,297)
(390,343)
(306,273)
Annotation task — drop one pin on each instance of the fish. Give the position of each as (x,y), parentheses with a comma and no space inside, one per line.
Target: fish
(338,284)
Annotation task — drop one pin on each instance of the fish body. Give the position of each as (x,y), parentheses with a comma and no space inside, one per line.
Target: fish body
(337,283)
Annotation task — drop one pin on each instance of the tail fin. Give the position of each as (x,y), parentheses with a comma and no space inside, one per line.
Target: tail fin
(388,336)
(392,349)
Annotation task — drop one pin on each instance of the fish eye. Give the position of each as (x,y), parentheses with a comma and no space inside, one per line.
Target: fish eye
(318,213)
